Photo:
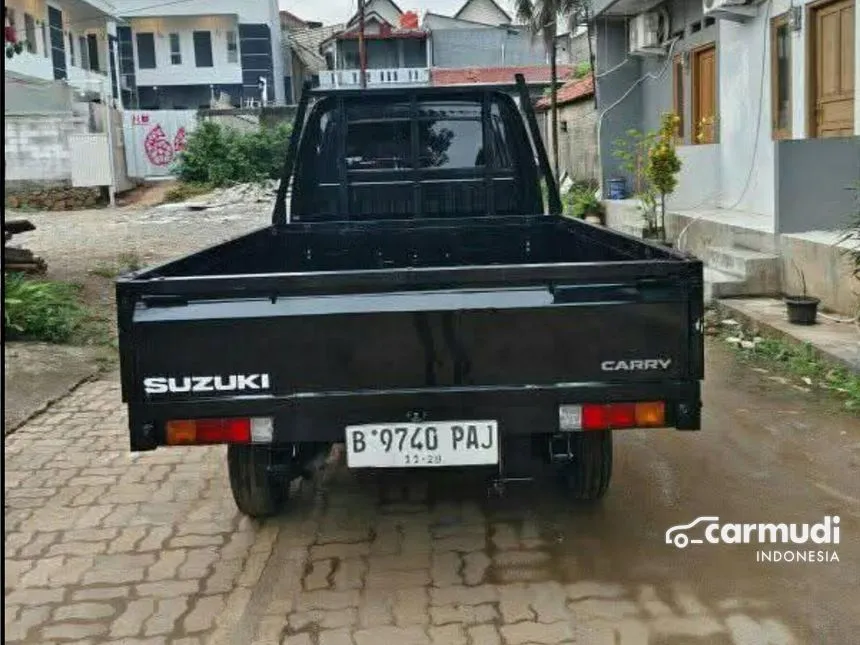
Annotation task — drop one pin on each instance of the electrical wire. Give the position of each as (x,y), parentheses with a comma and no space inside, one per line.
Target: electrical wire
(754,156)
(639,81)
(619,65)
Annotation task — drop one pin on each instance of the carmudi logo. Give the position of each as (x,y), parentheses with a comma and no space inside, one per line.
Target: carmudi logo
(708,530)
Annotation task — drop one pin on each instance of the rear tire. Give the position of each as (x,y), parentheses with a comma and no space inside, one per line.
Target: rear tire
(587,476)
(258,492)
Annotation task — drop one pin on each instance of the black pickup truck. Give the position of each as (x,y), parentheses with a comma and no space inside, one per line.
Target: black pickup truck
(416,304)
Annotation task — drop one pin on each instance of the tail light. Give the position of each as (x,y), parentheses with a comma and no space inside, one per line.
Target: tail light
(190,432)
(610,416)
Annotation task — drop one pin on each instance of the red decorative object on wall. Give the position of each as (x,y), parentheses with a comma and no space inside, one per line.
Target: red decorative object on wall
(409,20)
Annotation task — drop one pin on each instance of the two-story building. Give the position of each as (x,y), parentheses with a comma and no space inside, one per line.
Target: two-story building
(65,40)
(396,49)
(478,44)
(183,55)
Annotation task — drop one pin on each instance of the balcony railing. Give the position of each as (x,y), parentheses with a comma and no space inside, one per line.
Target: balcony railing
(347,78)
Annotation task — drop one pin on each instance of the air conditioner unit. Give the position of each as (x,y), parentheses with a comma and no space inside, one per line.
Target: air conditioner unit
(735,10)
(647,33)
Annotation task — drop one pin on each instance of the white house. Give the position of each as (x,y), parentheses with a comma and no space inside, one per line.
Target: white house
(769,97)
(63,40)
(181,55)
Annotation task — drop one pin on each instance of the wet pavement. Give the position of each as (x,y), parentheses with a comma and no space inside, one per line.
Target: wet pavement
(102,545)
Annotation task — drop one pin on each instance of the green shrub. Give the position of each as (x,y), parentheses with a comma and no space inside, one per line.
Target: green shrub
(40,309)
(581,201)
(219,156)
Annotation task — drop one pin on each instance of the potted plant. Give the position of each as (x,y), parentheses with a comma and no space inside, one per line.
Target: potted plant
(802,309)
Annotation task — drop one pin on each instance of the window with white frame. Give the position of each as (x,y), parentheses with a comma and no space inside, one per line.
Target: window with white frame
(175,50)
(71,49)
(232,47)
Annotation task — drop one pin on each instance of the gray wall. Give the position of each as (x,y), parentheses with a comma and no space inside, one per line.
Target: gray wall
(577,147)
(642,108)
(813,178)
(485,47)
(612,51)
(36,146)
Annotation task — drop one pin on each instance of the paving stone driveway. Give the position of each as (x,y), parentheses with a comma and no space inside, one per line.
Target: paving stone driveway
(102,545)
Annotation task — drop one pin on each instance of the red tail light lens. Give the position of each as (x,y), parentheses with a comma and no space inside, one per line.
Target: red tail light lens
(188,432)
(623,415)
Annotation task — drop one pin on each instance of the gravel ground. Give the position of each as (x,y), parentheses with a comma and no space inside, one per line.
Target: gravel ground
(74,243)
(89,247)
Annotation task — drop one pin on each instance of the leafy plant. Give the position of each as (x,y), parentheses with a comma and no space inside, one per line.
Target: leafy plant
(663,163)
(802,277)
(800,361)
(582,70)
(705,129)
(581,201)
(40,309)
(220,156)
(632,150)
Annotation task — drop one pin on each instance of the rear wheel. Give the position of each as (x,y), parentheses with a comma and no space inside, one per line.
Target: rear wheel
(586,477)
(259,486)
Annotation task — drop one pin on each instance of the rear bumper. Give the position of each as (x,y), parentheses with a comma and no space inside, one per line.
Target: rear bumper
(322,417)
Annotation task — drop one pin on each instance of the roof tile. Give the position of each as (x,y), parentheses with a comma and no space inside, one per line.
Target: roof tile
(574,90)
(494,75)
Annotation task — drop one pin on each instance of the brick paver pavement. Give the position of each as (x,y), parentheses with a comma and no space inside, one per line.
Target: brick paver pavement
(102,545)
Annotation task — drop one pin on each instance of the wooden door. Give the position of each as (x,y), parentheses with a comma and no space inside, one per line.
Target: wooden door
(832,65)
(705,95)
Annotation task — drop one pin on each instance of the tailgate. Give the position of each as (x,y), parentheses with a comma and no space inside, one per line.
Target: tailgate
(311,346)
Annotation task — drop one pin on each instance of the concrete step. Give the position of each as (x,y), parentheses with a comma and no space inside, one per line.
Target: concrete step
(720,284)
(759,271)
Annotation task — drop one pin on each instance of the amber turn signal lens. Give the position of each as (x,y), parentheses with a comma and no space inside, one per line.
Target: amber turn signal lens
(182,432)
(651,414)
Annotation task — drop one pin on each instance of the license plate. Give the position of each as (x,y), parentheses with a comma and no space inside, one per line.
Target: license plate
(408,445)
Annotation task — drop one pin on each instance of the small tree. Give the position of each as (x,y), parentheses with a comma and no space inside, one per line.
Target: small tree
(663,163)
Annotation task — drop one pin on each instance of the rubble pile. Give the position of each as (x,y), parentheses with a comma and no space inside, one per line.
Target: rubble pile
(252,193)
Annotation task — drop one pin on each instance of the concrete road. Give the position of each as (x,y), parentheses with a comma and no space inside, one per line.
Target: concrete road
(101,545)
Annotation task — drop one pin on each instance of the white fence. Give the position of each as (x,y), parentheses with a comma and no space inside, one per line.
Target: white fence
(154,138)
(343,78)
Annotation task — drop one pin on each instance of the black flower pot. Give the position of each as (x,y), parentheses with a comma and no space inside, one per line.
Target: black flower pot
(802,310)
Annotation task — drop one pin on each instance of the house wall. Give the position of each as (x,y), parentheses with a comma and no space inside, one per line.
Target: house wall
(383,54)
(577,147)
(799,166)
(485,47)
(741,172)
(36,146)
(483,11)
(257,23)
(571,49)
(385,9)
(77,21)
(434,21)
(617,113)
(187,73)
(746,144)
(699,182)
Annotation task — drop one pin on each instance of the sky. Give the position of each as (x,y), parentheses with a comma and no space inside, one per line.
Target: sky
(335,11)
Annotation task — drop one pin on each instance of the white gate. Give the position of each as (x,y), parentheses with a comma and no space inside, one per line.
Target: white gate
(154,138)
